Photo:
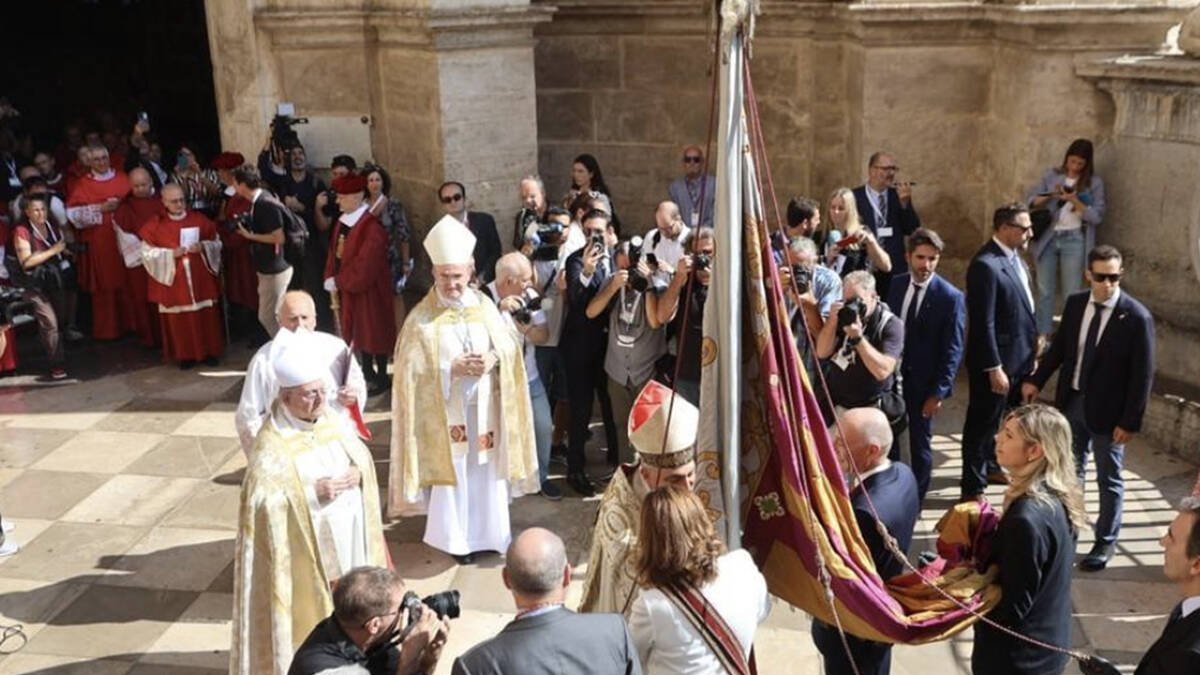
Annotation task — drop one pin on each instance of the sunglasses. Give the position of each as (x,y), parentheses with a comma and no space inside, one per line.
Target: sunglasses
(1103,277)
(1020,227)
(451,198)
(890,167)
(691,159)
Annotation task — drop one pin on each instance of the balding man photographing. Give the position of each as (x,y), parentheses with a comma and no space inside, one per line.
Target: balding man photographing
(545,638)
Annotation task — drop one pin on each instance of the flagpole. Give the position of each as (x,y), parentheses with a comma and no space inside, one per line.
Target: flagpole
(727,281)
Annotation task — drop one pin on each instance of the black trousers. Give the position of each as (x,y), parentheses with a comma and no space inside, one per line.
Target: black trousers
(985,410)
(585,382)
(871,658)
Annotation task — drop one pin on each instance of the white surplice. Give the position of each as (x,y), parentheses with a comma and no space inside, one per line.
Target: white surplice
(471,515)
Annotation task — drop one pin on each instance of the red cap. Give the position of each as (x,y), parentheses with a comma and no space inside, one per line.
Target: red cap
(228,160)
(349,184)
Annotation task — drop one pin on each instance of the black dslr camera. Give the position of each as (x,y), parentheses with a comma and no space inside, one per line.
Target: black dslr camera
(444,604)
(633,249)
(283,136)
(701,261)
(854,310)
(803,276)
(330,210)
(530,303)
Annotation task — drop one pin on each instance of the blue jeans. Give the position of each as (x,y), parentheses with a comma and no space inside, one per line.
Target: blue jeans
(1110,458)
(1059,267)
(543,426)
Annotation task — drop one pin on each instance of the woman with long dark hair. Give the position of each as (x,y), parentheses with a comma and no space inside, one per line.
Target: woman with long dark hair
(392,215)
(1072,196)
(1034,546)
(588,179)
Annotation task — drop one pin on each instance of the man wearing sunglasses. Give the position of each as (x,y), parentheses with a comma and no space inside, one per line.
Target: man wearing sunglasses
(1105,346)
(885,206)
(453,197)
(694,192)
(1001,342)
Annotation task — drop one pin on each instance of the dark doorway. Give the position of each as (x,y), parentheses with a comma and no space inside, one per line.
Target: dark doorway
(99,63)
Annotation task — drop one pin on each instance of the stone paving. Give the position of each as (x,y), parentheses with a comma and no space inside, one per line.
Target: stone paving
(123,489)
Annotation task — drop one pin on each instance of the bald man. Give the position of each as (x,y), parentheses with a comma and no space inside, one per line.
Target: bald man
(134,213)
(862,450)
(182,255)
(694,192)
(666,241)
(297,312)
(545,638)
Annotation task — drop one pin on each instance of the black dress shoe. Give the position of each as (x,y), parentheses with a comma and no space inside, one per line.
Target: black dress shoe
(580,483)
(1097,559)
(464,559)
(377,387)
(550,491)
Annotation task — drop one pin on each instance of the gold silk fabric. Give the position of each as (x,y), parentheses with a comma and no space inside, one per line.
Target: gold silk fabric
(281,589)
(421,443)
(610,582)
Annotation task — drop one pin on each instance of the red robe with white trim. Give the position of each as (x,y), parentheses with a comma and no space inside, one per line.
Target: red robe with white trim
(101,269)
(359,265)
(132,216)
(188,307)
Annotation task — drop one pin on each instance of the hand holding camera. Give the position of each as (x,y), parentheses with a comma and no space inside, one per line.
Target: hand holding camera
(591,256)
(422,638)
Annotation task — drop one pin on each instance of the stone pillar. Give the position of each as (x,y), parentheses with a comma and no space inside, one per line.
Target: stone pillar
(447,85)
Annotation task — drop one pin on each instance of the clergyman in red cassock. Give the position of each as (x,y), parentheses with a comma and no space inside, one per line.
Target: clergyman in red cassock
(138,209)
(182,254)
(92,201)
(357,272)
(241,283)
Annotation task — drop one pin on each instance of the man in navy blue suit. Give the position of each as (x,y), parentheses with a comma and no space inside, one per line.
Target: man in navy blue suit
(934,322)
(862,451)
(1105,349)
(1177,650)
(886,207)
(1001,341)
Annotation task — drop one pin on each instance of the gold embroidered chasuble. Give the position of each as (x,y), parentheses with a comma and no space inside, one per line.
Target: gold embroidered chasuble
(282,563)
(610,582)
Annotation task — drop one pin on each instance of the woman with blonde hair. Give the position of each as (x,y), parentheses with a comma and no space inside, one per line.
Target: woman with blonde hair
(856,248)
(1034,545)
(699,605)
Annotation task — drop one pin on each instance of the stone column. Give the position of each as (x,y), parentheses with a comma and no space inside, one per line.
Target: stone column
(447,84)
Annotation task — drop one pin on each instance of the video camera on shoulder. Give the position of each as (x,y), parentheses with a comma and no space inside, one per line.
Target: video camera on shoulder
(283,135)
(545,239)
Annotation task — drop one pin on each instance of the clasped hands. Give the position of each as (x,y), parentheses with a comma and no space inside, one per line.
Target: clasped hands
(472,364)
(328,489)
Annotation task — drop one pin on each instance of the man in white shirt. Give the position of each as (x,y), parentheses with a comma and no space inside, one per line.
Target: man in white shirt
(666,241)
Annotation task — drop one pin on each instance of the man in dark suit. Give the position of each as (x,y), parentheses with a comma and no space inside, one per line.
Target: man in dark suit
(1105,348)
(935,318)
(1001,341)
(863,452)
(886,207)
(453,196)
(545,638)
(584,342)
(1177,650)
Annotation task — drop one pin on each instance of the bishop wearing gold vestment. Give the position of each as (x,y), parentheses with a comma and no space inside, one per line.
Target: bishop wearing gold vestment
(462,426)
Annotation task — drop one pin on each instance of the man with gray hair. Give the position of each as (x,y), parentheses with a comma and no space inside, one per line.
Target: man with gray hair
(809,298)
(862,347)
(532,192)
(877,486)
(1177,650)
(545,638)
(368,610)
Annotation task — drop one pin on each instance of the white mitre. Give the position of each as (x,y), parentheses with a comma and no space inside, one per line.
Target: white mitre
(298,358)
(450,242)
(658,443)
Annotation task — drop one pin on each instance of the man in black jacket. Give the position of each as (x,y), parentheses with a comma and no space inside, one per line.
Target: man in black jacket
(453,197)
(885,206)
(546,638)
(1177,650)
(1105,348)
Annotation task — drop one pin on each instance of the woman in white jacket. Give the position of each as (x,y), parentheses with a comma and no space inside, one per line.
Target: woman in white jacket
(693,592)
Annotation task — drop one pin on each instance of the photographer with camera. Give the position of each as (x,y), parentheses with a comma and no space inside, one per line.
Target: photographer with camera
(665,243)
(861,350)
(636,339)
(264,226)
(376,628)
(703,247)
(50,277)
(532,192)
(815,291)
(515,293)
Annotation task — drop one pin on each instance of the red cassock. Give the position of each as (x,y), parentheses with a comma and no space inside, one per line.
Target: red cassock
(132,216)
(101,269)
(8,355)
(241,283)
(359,265)
(191,321)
